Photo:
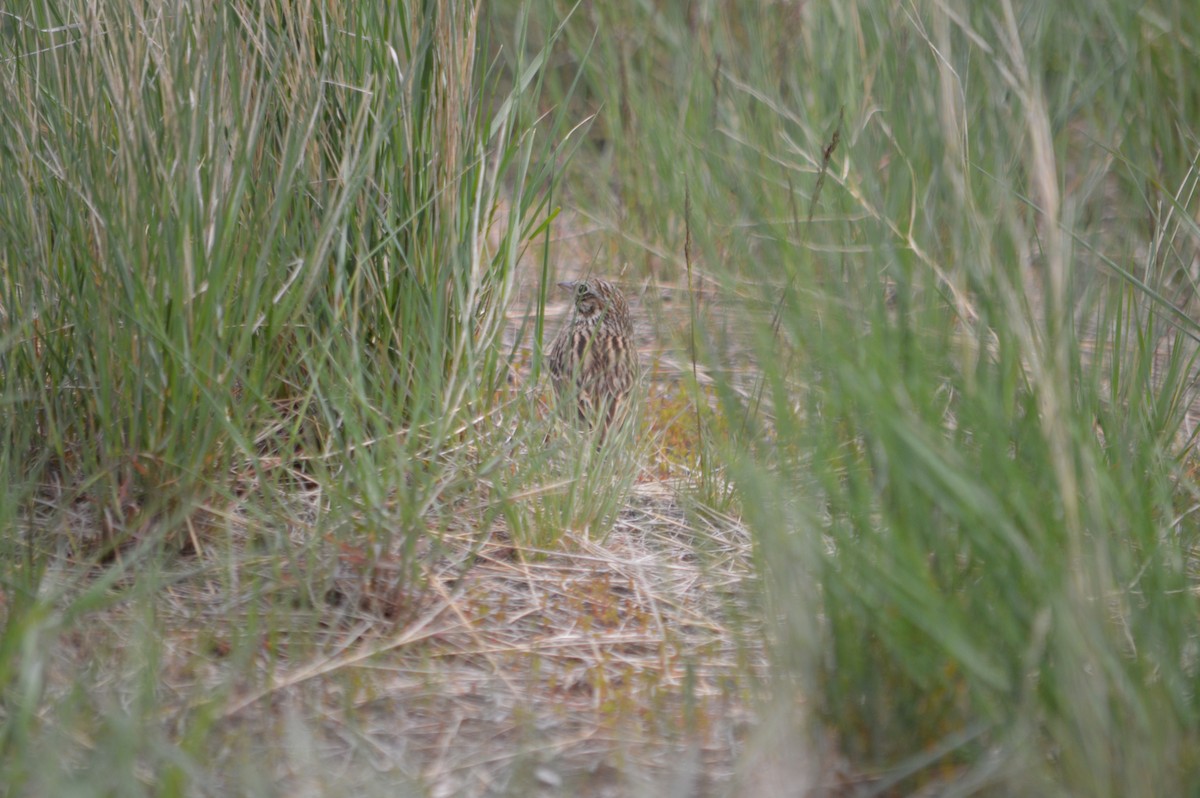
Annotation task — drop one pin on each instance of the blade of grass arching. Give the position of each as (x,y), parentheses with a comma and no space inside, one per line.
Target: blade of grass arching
(505,117)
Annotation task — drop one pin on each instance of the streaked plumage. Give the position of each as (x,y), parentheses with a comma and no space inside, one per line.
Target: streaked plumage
(593,361)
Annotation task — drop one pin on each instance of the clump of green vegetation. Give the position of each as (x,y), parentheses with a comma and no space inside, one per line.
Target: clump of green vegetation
(255,266)
(959,249)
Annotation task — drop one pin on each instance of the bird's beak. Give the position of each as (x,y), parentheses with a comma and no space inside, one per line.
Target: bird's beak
(568,284)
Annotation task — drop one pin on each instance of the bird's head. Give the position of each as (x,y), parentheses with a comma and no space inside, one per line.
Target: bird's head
(596,299)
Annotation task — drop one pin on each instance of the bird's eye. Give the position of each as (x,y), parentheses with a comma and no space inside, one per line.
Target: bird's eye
(581,290)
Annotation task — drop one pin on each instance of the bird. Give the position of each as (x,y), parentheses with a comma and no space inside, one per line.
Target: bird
(593,362)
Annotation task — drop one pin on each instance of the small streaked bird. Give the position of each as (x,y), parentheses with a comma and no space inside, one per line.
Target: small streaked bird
(593,362)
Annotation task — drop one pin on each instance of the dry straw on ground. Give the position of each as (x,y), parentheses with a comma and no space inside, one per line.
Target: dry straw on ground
(607,668)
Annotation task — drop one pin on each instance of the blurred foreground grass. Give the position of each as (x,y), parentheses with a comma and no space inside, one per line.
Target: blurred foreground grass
(958,245)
